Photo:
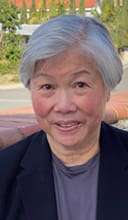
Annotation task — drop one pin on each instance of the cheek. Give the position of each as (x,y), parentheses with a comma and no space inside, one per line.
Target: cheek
(93,105)
(38,105)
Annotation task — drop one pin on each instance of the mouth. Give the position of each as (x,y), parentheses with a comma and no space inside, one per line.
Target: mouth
(67,126)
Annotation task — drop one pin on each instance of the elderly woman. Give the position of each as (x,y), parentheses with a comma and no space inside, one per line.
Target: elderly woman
(76,168)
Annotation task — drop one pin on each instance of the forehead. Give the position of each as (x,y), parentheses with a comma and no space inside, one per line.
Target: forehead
(69,62)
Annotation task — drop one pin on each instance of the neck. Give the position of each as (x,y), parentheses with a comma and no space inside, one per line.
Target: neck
(77,156)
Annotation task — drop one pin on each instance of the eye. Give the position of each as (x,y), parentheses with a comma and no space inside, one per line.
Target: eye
(47,87)
(80,85)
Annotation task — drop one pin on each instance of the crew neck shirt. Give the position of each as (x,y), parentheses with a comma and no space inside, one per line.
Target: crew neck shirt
(76,189)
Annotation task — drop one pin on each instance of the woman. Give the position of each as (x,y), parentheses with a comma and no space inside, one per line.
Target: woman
(76,167)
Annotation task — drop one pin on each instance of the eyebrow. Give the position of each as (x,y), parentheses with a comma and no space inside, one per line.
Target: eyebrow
(43,75)
(81,72)
(73,75)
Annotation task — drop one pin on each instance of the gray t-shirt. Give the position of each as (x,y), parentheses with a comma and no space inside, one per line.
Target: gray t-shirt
(76,189)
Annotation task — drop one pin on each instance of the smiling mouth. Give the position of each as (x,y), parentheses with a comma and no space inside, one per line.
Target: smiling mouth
(67,126)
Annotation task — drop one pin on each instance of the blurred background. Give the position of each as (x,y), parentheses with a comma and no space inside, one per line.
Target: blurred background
(18,20)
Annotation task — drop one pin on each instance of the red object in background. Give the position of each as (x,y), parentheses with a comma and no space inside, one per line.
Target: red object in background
(88,3)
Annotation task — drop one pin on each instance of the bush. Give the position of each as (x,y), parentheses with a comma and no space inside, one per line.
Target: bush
(9,71)
(7,67)
(11,49)
(13,54)
(115,18)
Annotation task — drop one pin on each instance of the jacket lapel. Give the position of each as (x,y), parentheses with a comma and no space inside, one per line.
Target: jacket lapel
(36,182)
(112,202)
(37,186)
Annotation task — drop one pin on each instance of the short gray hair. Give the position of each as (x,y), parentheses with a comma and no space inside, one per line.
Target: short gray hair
(59,34)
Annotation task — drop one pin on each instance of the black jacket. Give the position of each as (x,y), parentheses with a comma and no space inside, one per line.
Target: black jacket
(27,186)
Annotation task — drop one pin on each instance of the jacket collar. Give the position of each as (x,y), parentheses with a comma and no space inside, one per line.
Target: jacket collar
(36,181)
(113,175)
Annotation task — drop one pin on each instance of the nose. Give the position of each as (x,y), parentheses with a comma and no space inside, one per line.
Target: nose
(65,103)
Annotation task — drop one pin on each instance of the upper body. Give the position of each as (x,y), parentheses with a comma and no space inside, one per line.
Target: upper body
(70,71)
(27,189)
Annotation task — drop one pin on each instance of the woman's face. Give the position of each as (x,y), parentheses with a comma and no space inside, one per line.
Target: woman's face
(69,99)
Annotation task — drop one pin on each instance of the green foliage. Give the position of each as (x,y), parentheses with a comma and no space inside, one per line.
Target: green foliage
(42,11)
(72,7)
(115,18)
(57,9)
(9,72)
(7,67)
(61,7)
(12,53)
(23,13)
(82,8)
(11,50)
(38,16)
(53,9)
(9,45)
(33,11)
(9,16)
(107,11)
(44,4)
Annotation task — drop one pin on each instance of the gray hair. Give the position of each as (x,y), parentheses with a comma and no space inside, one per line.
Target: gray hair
(59,34)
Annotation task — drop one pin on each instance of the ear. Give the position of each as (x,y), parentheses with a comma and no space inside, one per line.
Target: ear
(108,95)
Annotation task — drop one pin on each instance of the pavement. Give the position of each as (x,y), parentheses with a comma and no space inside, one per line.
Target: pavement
(17,119)
(13,97)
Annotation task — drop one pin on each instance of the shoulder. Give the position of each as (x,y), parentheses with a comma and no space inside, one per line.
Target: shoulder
(115,134)
(10,167)
(13,154)
(115,130)
(11,159)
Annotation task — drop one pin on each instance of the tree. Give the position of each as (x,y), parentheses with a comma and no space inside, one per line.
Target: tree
(10,22)
(9,16)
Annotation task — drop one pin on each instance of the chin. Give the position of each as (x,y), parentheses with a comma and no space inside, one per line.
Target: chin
(69,143)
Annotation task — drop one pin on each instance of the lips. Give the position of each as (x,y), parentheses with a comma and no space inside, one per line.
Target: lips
(67,126)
